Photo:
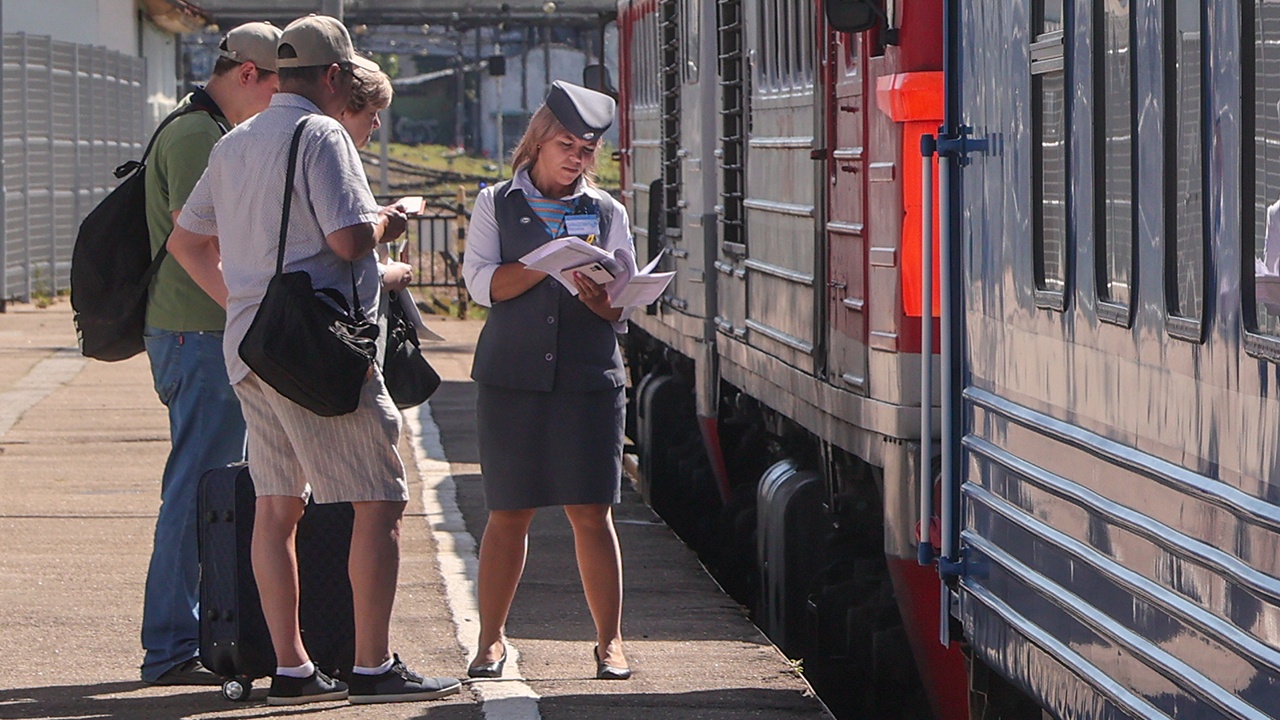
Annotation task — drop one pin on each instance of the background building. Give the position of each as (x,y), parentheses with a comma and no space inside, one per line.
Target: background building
(82,86)
(437,53)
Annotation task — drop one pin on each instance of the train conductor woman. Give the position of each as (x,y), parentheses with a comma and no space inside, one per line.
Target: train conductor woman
(549,376)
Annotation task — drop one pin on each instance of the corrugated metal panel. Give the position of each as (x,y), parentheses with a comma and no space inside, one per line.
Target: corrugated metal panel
(38,109)
(71,114)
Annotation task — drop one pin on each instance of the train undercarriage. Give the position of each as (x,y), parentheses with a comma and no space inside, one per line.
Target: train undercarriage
(791,526)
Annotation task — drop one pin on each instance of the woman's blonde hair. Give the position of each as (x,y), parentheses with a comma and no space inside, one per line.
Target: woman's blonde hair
(544,127)
(369,88)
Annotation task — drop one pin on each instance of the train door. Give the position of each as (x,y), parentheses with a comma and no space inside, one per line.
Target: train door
(846,244)
(670,154)
(689,165)
(781,262)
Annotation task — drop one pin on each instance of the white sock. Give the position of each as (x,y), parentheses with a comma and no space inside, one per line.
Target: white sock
(384,667)
(302,671)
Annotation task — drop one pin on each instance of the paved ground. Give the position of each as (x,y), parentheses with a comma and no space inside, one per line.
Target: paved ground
(82,444)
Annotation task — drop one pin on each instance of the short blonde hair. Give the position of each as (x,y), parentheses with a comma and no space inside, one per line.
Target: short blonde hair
(369,88)
(543,127)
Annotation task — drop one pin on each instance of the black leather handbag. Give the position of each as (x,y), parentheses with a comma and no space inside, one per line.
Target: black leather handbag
(409,377)
(305,342)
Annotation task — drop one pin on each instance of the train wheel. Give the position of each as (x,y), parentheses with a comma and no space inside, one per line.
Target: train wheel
(666,420)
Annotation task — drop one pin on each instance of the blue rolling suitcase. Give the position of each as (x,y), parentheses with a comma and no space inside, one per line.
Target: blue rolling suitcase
(234,641)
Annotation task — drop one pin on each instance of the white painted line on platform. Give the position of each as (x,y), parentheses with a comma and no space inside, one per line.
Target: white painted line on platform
(48,375)
(456,554)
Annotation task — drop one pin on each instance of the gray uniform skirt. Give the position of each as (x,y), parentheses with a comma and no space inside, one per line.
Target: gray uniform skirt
(549,448)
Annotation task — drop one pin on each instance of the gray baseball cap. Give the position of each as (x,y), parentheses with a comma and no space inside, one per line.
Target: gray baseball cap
(318,40)
(253,42)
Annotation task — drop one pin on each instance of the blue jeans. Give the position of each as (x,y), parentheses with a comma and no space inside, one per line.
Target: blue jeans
(207,431)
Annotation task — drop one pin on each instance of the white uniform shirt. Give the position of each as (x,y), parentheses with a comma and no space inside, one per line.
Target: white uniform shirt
(240,199)
(484,250)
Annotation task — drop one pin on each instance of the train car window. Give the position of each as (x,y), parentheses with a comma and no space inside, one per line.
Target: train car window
(778,35)
(764,56)
(786,42)
(784,60)
(1049,154)
(849,45)
(804,45)
(645,73)
(1115,271)
(1261,204)
(691,22)
(1186,246)
(653,71)
(642,66)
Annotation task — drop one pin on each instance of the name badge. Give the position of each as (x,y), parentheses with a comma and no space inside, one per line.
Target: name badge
(582,225)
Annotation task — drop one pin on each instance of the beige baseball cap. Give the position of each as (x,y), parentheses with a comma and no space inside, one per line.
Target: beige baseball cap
(253,42)
(318,40)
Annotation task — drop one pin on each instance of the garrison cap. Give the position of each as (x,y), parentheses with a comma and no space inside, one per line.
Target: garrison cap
(583,112)
(318,40)
(253,42)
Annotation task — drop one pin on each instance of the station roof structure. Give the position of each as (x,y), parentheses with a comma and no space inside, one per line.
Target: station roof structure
(177,16)
(457,13)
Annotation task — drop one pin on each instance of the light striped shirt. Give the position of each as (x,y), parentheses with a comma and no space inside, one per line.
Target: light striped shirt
(551,212)
(240,199)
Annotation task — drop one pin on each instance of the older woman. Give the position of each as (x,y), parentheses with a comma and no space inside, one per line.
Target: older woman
(548,372)
(371,94)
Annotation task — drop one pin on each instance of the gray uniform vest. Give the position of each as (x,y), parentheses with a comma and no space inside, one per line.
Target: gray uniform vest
(544,339)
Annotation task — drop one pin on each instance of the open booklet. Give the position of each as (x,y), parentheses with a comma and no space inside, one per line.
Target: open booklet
(628,285)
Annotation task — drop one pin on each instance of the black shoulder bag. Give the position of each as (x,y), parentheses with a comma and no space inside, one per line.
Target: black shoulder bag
(305,342)
(410,378)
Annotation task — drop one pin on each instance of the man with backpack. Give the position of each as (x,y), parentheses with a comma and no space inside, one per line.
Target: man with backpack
(183,338)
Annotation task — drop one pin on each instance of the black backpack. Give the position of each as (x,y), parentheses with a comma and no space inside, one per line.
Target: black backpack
(111,264)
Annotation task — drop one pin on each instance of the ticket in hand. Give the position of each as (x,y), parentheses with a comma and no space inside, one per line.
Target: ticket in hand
(412,205)
(594,270)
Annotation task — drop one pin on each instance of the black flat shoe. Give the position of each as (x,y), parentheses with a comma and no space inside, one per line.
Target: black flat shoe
(489,669)
(608,672)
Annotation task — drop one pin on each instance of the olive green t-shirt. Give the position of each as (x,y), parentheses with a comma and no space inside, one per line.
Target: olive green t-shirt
(177,161)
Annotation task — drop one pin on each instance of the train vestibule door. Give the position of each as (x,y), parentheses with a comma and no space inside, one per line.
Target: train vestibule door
(846,325)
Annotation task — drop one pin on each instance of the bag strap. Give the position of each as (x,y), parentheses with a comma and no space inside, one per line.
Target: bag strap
(396,314)
(134,165)
(290,174)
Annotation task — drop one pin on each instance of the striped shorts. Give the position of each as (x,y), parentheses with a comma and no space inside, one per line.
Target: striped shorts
(348,458)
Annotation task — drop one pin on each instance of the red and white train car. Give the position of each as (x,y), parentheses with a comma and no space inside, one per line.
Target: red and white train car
(777,391)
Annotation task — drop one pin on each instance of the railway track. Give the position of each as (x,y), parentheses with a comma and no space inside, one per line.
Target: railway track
(408,178)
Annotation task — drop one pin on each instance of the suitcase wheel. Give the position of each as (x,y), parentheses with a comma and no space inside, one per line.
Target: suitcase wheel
(237,689)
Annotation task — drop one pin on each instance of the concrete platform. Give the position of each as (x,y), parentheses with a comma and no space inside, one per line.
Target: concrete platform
(82,445)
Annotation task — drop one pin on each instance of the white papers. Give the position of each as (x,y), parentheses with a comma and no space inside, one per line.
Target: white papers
(643,290)
(628,286)
(645,285)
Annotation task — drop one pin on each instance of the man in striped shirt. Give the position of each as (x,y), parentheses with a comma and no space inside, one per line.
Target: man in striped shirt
(227,239)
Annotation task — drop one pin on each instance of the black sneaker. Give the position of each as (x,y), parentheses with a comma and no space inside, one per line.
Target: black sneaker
(319,687)
(188,672)
(399,684)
